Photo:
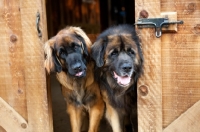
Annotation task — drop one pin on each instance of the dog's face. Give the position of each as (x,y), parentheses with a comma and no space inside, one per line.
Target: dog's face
(68,52)
(118,52)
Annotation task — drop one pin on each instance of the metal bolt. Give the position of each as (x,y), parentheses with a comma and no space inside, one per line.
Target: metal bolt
(13,38)
(144,14)
(23,125)
(143,90)
(20,91)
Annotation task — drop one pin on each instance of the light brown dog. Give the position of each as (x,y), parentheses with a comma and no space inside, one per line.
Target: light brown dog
(68,54)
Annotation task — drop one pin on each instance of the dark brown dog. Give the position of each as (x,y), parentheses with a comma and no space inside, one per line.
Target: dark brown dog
(119,57)
(67,54)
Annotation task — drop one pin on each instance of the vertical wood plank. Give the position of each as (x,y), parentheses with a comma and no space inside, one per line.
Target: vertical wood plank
(181,61)
(23,78)
(12,82)
(44,39)
(37,103)
(150,84)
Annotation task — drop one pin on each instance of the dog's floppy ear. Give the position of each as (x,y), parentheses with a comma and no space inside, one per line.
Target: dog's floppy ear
(98,51)
(51,62)
(57,64)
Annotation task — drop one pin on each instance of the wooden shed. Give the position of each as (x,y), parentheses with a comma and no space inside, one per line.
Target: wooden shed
(168,91)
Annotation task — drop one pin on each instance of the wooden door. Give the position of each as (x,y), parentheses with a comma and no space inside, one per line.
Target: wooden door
(169,90)
(24,104)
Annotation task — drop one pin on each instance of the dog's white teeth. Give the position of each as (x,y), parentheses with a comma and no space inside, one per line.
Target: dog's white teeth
(79,74)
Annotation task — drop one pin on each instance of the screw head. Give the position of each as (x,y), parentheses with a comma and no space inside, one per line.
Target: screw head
(23,125)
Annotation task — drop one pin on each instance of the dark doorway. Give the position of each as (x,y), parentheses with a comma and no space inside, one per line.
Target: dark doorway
(93,16)
(114,12)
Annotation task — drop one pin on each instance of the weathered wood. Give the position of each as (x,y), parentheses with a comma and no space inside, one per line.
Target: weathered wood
(187,122)
(12,82)
(150,84)
(23,79)
(49,97)
(11,121)
(181,62)
(2,129)
(37,103)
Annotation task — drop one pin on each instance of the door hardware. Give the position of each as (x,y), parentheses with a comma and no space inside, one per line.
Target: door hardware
(38,24)
(156,23)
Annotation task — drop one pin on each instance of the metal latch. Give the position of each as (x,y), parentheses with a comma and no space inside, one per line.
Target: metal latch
(156,23)
(38,24)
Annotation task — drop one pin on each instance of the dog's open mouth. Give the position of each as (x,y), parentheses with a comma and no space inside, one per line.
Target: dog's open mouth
(79,74)
(122,80)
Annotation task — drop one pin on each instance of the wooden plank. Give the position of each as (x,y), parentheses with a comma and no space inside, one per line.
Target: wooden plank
(2,129)
(187,11)
(37,103)
(150,84)
(187,122)
(44,39)
(11,121)
(181,62)
(23,79)
(12,82)
(49,96)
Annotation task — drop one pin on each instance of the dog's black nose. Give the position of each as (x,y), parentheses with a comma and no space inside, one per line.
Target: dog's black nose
(77,67)
(127,67)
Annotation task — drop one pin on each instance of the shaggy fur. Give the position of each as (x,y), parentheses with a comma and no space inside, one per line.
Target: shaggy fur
(119,59)
(68,54)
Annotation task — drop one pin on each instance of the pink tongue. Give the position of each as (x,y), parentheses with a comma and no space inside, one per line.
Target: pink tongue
(79,74)
(122,80)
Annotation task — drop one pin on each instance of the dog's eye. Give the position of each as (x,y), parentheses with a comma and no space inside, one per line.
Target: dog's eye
(130,51)
(62,53)
(115,52)
(75,47)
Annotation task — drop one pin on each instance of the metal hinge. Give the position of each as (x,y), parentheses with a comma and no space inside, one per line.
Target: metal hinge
(156,23)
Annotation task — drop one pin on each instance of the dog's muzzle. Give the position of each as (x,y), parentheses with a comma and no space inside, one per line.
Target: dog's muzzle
(79,70)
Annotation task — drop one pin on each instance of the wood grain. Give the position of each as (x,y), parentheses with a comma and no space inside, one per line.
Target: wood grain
(187,122)
(12,80)
(37,103)
(2,129)
(10,119)
(23,78)
(150,104)
(181,62)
